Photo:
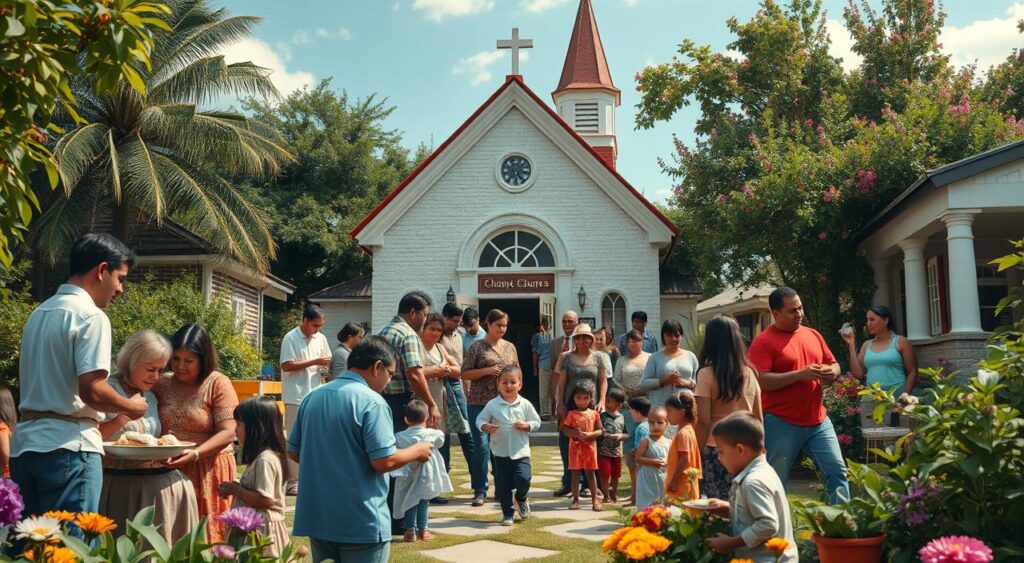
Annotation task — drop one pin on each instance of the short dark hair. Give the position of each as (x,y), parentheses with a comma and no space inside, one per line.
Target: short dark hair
(638,316)
(617,394)
(371,350)
(635,334)
(350,330)
(640,404)
(510,370)
(413,301)
(470,314)
(740,427)
(93,249)
(584,387)
(434,318)
(778,297)
(451,310)
(416,411)
(671,326)
(313,312)
(196,339)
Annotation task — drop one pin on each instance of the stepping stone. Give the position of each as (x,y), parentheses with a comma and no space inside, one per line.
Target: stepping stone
(456,506)
(542,478)
(550,473)
(459,527)
(487,551)
(556,510)
(592,530)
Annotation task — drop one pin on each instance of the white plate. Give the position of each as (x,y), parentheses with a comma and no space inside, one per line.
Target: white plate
(139,453)
(704,504)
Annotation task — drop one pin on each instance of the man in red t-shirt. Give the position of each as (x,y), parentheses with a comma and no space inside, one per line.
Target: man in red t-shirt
(793,362)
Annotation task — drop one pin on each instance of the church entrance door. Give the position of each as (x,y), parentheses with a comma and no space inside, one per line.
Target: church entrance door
(524,321)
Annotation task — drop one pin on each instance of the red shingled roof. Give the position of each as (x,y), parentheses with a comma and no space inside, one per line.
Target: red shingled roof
(509,80)
(585,63)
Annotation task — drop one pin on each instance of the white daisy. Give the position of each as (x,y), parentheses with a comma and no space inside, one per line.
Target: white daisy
(40,528)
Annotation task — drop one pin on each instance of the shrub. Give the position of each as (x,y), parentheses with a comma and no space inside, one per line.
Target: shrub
(167,307)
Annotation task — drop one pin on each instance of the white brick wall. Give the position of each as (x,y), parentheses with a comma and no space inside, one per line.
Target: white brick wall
(339,313)
(608,250)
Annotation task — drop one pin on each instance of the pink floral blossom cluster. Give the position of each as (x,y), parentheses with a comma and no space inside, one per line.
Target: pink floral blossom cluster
(866,180)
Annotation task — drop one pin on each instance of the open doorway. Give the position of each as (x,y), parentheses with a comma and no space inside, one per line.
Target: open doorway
(524,321)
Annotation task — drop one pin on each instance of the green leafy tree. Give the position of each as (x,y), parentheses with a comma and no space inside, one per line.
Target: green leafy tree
(42,44)
(347,162)
(148,151)
(790,159)
(1005,83)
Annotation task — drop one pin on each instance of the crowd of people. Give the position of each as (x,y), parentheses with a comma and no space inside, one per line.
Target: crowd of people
(367,452)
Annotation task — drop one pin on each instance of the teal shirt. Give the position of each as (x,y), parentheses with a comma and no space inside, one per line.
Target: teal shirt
(340,428)
(886,367)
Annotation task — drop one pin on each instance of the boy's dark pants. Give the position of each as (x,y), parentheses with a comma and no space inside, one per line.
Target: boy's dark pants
(511,474)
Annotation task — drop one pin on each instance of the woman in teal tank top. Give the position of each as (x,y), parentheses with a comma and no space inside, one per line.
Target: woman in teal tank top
(887,359)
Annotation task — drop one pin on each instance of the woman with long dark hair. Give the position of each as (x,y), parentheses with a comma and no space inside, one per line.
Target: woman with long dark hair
(197,404)
(887,358)
(726,383)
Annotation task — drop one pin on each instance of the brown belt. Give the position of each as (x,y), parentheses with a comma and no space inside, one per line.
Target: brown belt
(34,415)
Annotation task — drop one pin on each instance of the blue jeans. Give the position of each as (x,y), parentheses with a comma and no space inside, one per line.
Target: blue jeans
(511,474)
(785,441)
(59,480)
(323,550)
(481,453)
(418,517)
(465,440)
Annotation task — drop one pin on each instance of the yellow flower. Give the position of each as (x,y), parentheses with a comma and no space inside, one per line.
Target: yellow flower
(638,551)
(638,543)
(741,561)
(93,523)
(62,515)
(778,545)
(805,535)
(611,543)
(54,554)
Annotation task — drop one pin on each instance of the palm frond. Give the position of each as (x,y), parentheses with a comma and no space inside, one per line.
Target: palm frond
(77,151)
(143,187)
(210,77)
(197,37)
(68,215)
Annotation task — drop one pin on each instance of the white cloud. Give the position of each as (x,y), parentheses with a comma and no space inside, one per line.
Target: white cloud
(478,67)
(630,3)
(988,42)
(842,44)
(321,32)
(437,10)
(538,6)
(300,37)
(344,33)
(262,54)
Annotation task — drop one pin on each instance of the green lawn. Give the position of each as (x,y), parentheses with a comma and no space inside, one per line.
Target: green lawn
(527,533)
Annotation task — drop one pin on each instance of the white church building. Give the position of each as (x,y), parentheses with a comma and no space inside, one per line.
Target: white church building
(522,209)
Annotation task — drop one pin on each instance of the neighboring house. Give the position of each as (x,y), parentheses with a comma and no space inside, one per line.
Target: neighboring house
(931,249)
(748,305)
(346,302)
(679,297)
(169,252)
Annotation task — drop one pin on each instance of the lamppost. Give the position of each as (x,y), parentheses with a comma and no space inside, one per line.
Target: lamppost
(450,295)
(582,297)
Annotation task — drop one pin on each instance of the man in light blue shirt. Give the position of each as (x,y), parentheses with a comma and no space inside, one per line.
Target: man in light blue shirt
(471,329)
(540,343)
(639,321)
(343,434)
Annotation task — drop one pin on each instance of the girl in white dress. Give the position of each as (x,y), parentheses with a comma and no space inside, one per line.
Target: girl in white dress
(418,482)
(651,459)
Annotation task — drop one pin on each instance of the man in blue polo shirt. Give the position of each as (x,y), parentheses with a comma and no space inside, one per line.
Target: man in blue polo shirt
(343,434)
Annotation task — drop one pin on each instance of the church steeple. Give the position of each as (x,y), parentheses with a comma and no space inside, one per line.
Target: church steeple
(586,97)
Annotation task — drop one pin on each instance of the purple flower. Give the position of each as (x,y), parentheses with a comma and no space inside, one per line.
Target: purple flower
(11,502)
(224,551)
(242,518)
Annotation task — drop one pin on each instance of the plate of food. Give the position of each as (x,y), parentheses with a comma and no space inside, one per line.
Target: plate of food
(139,446)
(705,504)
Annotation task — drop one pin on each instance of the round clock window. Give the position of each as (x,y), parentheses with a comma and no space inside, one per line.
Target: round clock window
(515,172)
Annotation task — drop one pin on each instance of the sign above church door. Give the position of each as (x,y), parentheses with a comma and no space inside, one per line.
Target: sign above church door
(516,283)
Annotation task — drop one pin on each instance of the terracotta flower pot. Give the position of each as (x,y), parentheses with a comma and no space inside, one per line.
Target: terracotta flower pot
(846,550)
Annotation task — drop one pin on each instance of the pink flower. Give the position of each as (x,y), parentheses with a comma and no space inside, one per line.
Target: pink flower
(224,551)
(852,411)
(961,109)
(747,190)
(721,199)
(845,439)
(809,123)
(822,235)
(865,181)
(955,549)
(831,194)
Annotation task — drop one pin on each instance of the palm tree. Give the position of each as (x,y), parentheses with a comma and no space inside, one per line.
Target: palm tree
(155,155)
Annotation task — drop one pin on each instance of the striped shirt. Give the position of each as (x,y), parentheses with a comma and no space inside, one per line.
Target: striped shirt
(408,348)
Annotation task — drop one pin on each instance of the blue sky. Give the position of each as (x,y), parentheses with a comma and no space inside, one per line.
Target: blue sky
(436,59)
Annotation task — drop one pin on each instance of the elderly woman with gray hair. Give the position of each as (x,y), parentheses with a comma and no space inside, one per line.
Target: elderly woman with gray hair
(130,486)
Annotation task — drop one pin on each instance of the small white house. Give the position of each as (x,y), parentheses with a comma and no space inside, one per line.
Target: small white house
(931,251)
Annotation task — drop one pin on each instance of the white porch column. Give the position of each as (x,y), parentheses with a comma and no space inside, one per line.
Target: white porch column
(880,268)
(917,288)
(965,315)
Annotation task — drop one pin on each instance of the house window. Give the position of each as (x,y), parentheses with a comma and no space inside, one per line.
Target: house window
(516,249)
(586,118)
(992,288)
(936,277)
(238,309)
(748,325)
(613,312)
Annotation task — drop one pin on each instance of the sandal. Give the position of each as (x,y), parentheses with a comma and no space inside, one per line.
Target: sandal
(410,536)
(575,505)
(597,506)
(425,535)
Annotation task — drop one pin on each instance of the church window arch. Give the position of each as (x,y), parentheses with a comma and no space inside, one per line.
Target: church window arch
(516,249)
(613,311)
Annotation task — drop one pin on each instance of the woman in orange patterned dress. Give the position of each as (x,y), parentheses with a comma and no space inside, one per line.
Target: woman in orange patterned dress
(197,404)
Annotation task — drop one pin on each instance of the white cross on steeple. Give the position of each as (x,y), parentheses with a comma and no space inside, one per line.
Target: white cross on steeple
(515,44)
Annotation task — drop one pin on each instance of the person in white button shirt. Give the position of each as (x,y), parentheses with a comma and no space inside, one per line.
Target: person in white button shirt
(57,449)
(509,419)
(304,353)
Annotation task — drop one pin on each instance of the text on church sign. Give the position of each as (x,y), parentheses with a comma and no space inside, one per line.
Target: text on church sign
(516,283)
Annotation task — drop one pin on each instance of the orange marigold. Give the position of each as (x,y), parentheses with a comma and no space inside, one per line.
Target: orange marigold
(62,515)
(54,554)
(611,543)
(638,543)
(741,561)
(777,545)
(94,523)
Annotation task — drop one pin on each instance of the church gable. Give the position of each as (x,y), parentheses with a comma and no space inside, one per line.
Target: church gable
(514,114)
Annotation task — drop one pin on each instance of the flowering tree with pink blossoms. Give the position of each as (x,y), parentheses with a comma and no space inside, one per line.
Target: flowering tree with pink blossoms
(793,156)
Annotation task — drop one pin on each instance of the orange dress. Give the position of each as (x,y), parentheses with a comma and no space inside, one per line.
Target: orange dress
(582,453)
(685,442)
(191,415)
(7,430)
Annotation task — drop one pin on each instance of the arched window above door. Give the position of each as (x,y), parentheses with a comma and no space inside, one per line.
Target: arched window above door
(613,312)
(516,249)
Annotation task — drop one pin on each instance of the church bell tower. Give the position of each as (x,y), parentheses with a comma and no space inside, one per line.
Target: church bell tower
(586,98)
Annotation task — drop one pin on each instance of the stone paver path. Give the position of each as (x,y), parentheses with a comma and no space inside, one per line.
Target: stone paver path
(593,530)
(487,551)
